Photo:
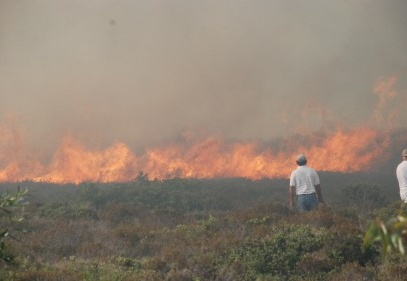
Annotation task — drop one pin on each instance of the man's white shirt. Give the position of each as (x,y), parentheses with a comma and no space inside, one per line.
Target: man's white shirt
(402,179)
(304,179)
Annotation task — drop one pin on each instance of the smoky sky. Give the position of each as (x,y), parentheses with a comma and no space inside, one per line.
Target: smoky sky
(141,72)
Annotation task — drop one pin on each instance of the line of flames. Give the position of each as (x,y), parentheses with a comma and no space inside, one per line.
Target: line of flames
(340,151)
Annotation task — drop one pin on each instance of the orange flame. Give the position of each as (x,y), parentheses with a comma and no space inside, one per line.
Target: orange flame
(74,163)
(341,151)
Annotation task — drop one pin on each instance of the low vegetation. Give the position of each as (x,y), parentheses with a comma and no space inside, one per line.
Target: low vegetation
(189,229)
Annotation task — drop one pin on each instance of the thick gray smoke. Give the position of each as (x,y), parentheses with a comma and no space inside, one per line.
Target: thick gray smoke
(142,72)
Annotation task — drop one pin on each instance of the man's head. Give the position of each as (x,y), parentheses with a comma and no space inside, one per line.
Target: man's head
(301,160)
(404,154)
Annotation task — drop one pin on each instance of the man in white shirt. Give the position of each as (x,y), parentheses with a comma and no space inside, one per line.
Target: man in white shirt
(304,182)
(401,173)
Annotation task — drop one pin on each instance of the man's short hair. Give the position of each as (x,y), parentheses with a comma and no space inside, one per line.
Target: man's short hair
(301,159)
(404,152)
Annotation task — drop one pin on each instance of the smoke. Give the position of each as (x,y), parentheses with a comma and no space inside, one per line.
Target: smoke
(142,72)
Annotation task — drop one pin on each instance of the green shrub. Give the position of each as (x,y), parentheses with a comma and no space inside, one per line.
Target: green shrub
(393,269)
(47,275)
(10,216)
(65,210)
(278,254)
(346,248)
(353,271)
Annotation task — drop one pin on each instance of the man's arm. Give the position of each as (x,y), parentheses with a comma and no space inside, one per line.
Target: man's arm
(291,195)
(319,193)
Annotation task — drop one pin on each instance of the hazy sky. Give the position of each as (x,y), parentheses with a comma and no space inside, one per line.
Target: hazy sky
(142,72)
